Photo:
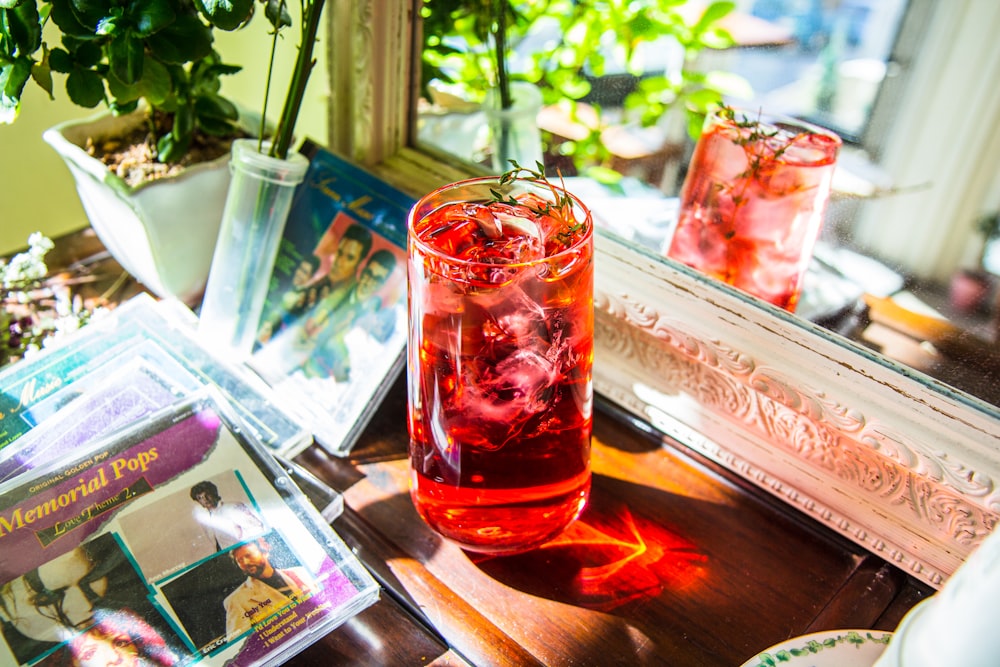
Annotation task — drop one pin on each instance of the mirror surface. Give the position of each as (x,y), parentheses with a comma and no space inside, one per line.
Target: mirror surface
(904,266)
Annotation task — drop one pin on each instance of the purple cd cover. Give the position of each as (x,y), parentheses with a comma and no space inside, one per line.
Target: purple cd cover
(176,540)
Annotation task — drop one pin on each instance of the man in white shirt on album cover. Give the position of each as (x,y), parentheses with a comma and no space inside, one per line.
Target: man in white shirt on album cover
(266,590)
(225,523)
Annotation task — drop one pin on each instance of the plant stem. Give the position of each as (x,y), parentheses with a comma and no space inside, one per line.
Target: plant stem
(267,88)
(500,45)
(503,82)
(304,63)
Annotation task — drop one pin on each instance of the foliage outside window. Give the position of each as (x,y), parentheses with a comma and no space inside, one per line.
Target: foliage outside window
(570,49)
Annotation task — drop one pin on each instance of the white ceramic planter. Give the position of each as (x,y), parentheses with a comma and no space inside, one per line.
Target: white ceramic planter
(163,232)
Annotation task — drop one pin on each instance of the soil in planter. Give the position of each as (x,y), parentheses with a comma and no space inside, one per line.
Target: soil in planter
(132,157)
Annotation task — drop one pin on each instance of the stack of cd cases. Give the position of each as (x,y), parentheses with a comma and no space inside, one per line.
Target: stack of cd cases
(148,510)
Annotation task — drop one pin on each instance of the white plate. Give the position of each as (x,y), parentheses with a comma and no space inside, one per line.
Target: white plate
(834,648)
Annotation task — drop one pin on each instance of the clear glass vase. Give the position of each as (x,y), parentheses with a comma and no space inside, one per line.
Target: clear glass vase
(514,133)
(253,222)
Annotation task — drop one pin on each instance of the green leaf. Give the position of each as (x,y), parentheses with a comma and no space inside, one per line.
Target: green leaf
(183,122)
(92,13)
(605,176)
(217,127)
(126,55)
(68,23)
(641,26)
(226,14)
(41,73)
(60,61)
(120,109)
(107,26)
(716,38)
(185,40)
(702,99)
(172,146)
(729,83)
(13,77)
(168,150)
(156,85)
(694,125)
(277,14)
(570,85)
(205,73)
(713,13)
(216,107)
(85,88)
(146,17)
(24,26)
(87,55)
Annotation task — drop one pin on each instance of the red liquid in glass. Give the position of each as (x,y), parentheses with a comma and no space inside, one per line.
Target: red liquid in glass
(752,206)
(501,343)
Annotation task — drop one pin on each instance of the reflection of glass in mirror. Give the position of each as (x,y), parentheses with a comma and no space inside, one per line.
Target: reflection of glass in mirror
(900,80)
(753,201)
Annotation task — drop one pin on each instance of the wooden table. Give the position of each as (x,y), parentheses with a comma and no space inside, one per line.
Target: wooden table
(675,561)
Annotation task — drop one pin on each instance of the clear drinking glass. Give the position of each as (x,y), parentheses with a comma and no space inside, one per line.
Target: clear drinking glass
(752,203)
(500,349)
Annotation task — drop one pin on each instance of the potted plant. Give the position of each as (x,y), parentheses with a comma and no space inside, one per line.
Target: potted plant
(970,287)
(467,46)
(153,65)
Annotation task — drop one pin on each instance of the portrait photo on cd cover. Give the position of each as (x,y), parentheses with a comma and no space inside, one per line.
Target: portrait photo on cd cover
(225,597)
(334,320)
(208,516)
(342,305)
(85,602)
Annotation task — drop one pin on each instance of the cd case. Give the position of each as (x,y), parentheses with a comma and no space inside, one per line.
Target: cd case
(177,539)
(159,336)
(141,381)
(332,338)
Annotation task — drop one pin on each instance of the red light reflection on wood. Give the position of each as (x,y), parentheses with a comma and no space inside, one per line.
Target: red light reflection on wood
(608,558)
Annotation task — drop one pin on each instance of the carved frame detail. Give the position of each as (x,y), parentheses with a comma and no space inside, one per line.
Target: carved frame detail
(905,469)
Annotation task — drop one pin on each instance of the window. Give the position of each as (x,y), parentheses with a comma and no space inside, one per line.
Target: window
(624,65)
(832,70)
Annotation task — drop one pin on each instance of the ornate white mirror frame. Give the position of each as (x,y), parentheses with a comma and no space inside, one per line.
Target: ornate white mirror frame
(900,464)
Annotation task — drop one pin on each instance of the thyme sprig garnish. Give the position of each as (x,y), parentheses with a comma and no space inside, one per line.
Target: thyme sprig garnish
(755,139)
(562,199)
(561,208)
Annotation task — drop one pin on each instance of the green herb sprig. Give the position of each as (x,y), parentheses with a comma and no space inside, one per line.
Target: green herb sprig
(757,135)
(561,208)
(537,175)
